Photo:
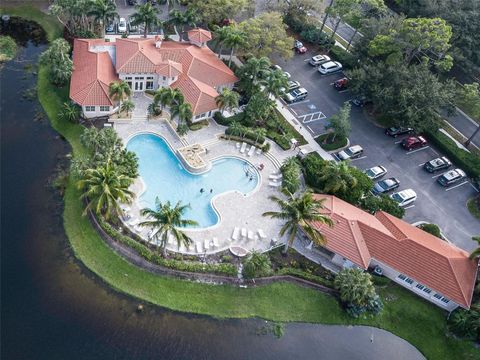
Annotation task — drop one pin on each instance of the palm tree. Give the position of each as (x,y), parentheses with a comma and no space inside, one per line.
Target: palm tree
(118,90)
(355,286)
(70,112)
(337,178)
(260,132)
(257,264)
(163,96)
(177,96)
(276,83)
(221,33)
(236,128)
(188,18)
(227,100)
(165,221)
(183,111)
(103,11)
(300,212)
(147,15)
(234,37)
(253,73)
(103,188)
(127,106)
(476,253)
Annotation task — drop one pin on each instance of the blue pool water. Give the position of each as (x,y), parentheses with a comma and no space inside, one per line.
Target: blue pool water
(165,177)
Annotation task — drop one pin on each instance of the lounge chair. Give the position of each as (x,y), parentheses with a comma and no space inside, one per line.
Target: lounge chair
(261,234)
(259,151)
(182,248)
(251,235)
(237,145)
(274,184)
(191,247)
(206,244)
(244,232)
(274,241)
(215,242)
(244,146)
(170,239)
(275,177)
(199,247)
(235,233)
(251,151)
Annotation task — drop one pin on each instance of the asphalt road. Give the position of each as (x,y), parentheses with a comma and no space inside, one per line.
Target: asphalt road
(465,125)
(435,204)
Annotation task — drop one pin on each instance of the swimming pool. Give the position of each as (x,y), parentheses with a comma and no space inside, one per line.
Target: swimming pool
(165,177)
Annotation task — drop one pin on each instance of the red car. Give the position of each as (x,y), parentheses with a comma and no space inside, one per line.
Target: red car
(299,47)
(414,142)
(341,84)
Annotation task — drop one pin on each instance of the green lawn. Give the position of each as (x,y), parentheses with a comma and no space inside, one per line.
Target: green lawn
(407,316)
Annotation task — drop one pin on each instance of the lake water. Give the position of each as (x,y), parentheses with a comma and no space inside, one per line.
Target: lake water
(54,308)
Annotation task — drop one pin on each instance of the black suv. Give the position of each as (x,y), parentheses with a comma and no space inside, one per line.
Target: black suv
(437,164)
(396,131)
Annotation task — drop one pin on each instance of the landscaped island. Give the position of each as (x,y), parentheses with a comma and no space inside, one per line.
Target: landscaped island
(403,314)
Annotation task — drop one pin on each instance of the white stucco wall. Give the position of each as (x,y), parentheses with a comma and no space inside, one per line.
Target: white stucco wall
(97,112)
(393,275)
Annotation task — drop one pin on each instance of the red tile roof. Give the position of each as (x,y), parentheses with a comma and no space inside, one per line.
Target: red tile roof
(92,75)
(199,35)
(359,237)
(200,65)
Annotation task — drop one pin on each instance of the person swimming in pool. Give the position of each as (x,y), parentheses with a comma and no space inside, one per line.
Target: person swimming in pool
(202,191)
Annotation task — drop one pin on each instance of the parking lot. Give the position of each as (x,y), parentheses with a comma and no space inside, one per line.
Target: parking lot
(435,204)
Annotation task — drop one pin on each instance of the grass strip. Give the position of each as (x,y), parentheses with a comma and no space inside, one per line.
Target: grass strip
(405,315)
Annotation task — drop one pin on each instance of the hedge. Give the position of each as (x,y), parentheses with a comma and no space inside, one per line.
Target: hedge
(149,255)
(304,275)
(226,121)
(469,162)
(249,134)
(345,57)
(337,144)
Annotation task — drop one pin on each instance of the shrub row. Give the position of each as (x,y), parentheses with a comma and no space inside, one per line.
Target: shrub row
(247,133)
(226,121)
(264,147)
(345,57)
(149,255)
(463,159)
(337,144)
(308,31)
(305,275)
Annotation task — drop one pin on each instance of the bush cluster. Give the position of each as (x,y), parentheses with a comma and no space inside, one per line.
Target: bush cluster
(463,159)
(345,57)
(431,229)
(247,133)
(308,31)
(181,265)
(291,172)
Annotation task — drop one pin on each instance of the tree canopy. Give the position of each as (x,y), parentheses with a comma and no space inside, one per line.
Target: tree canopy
(214,11)
(266,35)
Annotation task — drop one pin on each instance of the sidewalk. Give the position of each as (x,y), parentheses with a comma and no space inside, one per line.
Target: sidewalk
(302,130)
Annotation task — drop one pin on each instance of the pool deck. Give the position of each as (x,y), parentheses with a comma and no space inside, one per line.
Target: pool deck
(235,209)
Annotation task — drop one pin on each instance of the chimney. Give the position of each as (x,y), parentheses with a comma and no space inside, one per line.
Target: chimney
(158,42)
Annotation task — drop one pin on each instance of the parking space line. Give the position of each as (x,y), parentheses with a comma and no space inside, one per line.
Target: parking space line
(300,102)
(360,158)
(414,151)
(398,142)
(309,128)
(436,153)
(312,117)
(473,186)
(454,187)
(342,91)
(435,176)
(409,207)
(293,110)
(421,164)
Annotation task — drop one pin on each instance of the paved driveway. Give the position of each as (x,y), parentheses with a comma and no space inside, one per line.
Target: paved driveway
(434,204)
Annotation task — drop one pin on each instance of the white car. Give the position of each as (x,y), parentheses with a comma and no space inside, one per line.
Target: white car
(375,172)
(351,153)
(318,59)
(292,85)
(122,25)
(329,67)
(296,95)
(404,197)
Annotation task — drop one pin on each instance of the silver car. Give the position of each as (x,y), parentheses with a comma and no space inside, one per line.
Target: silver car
(375,172)
(329,67)
(318,59)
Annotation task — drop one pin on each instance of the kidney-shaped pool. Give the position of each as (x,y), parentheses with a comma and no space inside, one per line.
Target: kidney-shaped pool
(166,178)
